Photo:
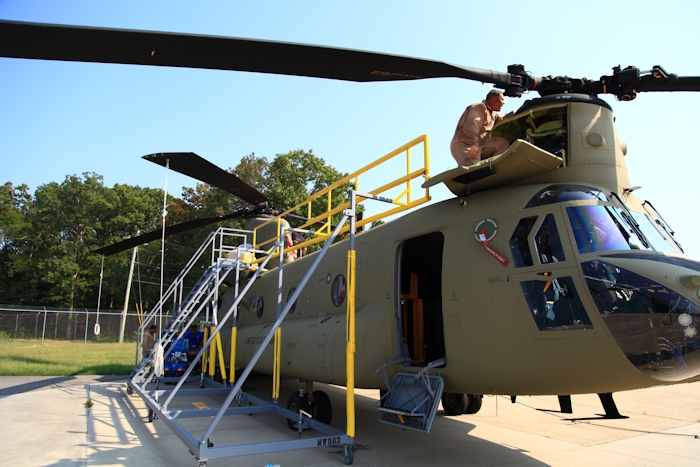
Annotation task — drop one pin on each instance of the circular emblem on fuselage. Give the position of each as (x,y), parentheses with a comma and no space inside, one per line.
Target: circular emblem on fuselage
(485,230)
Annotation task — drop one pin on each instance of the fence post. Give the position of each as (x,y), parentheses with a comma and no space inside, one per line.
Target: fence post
(55,331)
(16,325)
(43,329)
(36,325)
(87,317)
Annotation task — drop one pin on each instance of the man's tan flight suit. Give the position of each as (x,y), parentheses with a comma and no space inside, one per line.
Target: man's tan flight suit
(472,131)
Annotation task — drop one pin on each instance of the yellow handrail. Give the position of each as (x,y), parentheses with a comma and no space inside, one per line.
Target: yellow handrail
(403,201)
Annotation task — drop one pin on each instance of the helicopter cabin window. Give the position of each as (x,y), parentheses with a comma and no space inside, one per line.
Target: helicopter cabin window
(603,228)
(548,243)
(519,248)
(338,290)
(555,305)
(563,193)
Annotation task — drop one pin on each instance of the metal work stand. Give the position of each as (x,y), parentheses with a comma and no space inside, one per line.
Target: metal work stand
(159,401)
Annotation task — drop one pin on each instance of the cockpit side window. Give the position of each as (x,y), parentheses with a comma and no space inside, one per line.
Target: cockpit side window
(555,305)
(548,243)
(666,231)
(658,241)
(519,248)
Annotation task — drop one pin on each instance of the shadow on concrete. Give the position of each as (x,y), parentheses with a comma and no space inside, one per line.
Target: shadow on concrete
(133,441)
(10,385)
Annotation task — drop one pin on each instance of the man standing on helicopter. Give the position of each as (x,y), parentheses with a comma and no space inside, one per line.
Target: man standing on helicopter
(471,142)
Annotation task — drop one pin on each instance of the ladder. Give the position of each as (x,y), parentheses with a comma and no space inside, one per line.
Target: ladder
(204,290)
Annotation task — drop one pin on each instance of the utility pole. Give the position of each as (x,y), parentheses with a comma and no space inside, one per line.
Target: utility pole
(122,325)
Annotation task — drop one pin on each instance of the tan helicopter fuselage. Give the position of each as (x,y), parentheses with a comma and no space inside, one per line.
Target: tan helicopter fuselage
(427,288)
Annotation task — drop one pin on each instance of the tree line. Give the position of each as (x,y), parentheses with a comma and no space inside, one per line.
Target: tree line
(48,238)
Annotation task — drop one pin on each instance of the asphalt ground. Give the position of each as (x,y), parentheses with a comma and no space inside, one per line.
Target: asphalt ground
(43,422)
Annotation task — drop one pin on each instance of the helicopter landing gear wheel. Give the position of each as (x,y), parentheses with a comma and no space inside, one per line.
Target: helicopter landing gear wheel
(474,404)
(321,407)
(295,403)
(454,403)
(349,455)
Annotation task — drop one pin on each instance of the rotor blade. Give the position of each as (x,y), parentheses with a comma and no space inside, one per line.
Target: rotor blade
(169,230)
(106,45)
(673,83)
(189,163)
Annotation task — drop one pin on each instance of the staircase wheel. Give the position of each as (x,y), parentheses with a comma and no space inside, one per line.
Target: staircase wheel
(349,455)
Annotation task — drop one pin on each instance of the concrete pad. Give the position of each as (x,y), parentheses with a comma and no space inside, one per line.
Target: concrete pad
(50,426)
(44,427)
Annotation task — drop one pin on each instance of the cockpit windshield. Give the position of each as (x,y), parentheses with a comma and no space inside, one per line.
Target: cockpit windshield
(656,328)
(603,228)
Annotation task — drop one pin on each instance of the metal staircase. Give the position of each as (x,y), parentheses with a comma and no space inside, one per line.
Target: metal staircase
(225,258)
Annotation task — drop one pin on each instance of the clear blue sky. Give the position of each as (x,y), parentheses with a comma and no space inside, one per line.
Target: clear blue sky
(59,118)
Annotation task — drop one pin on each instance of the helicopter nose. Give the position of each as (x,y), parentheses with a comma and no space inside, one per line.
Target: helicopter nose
(654,326)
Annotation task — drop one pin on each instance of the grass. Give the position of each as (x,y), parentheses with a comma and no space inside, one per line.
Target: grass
(20,357)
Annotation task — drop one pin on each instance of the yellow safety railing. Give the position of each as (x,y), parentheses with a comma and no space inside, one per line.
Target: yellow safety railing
(405,200)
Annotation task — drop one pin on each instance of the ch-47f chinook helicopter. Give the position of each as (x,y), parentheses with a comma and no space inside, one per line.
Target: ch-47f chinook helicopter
(543,275)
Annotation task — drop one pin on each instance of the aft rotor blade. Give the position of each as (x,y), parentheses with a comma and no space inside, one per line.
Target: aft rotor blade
(132,242)
(106,45)
(189,163)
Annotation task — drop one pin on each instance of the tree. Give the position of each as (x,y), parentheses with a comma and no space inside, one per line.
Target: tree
(16,279)
(47,241)
(68,217)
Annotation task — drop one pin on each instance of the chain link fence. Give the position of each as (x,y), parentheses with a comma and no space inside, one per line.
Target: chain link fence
(62,324)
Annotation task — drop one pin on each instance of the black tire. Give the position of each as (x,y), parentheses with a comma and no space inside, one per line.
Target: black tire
(150,416)
(296,403)
(321,408)
(474,404)
(454,403)
(129,389)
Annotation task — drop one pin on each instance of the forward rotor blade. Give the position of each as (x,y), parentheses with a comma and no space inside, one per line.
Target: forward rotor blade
(674,83)
(189,163)
(105,45)
(169,230)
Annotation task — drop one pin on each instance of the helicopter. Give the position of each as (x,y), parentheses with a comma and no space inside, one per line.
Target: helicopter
(544,275)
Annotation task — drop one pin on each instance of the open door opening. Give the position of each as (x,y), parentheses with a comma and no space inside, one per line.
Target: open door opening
(420,310)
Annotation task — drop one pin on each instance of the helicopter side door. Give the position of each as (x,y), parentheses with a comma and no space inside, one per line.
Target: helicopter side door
(419,311)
